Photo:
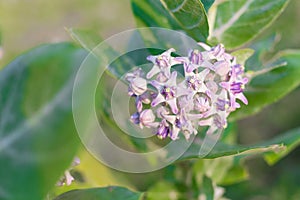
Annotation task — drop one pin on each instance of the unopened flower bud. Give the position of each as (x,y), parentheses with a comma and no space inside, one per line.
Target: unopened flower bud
(135,118)
(163,130)
(147,118)
(138,85)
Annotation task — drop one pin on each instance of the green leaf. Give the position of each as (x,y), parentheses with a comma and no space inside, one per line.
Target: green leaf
(239,21)
(37,134)
(242,55)
(207,4)
(150,13)
(273,149)
(107,193)
(188,16)
(290,140)
(222,149)
(271,85)
(208,188)
(264,50)
(87,39)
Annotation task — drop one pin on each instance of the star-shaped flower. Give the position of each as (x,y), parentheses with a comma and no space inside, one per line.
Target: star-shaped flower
(168,92)
(145,118)
(235,87)
(179,122)
(192,62)
(162,65)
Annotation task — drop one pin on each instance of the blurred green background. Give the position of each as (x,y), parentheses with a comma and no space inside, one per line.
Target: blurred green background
(25,24)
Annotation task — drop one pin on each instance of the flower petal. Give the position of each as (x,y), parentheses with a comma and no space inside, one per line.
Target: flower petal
(242,97)
(159,99)
(155,69)
(172,103)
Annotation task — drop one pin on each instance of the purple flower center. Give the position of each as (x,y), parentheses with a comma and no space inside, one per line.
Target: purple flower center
(196,57)
(194,83)
(168,92)
(162,61)
(222,104)
(218,50)
(237,87)
(178,123)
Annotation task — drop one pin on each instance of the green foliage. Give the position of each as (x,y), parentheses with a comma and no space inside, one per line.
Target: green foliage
(207,4)
(222,149)
(242,55)
(270,82)
(291,140)
(239,21)
(37,134)
(275,148)
(227,146)
(188,16)
(264,50)
(108,193)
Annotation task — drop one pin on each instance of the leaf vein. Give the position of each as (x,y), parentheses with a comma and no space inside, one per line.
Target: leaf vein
(218,32)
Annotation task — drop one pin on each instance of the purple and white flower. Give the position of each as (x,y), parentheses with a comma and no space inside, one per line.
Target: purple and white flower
(213,82)
(162,65)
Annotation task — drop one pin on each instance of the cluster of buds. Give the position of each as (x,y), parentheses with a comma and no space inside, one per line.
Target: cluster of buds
(208,92)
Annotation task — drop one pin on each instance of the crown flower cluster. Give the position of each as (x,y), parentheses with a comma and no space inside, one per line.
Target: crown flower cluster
(209,90)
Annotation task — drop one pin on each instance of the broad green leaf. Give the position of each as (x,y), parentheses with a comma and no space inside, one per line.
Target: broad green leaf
(107,193)
(272,85)
(274,149)
(150,13)
(239,21)
(37,134)
(291,140)
(207,4)
(223,149)
(188,16)
(242,55)
(87,39)
(264,50)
